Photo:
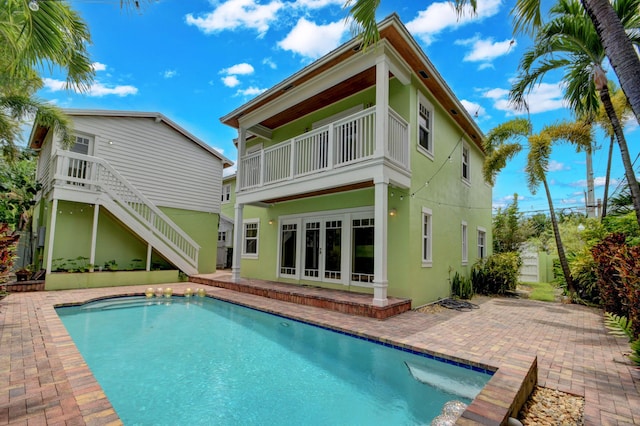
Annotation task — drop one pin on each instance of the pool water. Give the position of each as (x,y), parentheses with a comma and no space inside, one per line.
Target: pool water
(203,361)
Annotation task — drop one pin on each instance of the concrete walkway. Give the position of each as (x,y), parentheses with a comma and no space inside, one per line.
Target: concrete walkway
(44,381)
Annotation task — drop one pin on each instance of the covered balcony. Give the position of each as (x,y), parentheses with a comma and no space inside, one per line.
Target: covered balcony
(342,147)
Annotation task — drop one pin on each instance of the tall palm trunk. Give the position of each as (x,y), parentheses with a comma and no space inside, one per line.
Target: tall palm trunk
(605,199)
(618,49)
(564,263)
(624,150)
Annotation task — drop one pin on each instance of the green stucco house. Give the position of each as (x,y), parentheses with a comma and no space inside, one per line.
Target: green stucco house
(135,193)
(360,172)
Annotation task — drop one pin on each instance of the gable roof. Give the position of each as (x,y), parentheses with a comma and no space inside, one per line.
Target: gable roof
(38,133)
(394,33)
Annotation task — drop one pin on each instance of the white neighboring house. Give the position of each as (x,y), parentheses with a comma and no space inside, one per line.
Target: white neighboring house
(131,180)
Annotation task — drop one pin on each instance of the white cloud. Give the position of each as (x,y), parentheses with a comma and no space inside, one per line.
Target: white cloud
(97,66)
(238,69)
(439,16)
(250,91)
(97,89)
(486,50)
(269,62)
(234,14)
(556,166)
(474,109)
(597,182)
(544,97)
(169,73)
(230,81)
(316,4)
(311,40)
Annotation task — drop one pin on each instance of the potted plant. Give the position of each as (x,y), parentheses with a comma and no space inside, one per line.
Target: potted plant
(23,274)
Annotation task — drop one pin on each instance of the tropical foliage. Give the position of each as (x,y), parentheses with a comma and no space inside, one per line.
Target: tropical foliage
(569,42)
(497,274)
(18,188)
(52,36)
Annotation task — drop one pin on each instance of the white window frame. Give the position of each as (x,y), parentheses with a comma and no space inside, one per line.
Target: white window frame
(422,101)
(226,193)
(465,163)
(427,238)
(251,222)
(222,236)
(464,230)
(482,248)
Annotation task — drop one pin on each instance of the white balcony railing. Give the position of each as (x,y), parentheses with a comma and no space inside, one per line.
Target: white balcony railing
(341,143)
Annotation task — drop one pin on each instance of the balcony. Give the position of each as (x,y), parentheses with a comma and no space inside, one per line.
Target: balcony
(333,148)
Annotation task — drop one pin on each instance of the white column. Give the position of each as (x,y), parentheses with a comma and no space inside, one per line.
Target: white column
(94,236)
(382,106)
(380,282)
(52,233)
(242,136)
(237,243)
(149,252)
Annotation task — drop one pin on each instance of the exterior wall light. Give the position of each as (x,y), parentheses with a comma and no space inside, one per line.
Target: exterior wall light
(393,212)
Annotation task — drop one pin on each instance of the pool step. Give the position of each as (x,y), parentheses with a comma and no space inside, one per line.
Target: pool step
(335,300)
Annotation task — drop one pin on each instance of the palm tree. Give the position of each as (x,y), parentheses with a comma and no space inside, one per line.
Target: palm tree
(570,43)
(621,106)
(54,35)
(503,143)
(610,29)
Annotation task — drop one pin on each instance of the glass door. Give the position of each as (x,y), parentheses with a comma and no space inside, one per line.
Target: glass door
(313,249)
(333,249)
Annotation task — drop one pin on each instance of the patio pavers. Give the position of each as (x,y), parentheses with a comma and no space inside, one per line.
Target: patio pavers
(44,380)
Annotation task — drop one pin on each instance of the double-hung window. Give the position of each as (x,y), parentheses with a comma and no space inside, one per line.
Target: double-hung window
(482,243)
(250,238)
(465,251)
(425,126)
(226,193)
(427,238)
(466,171)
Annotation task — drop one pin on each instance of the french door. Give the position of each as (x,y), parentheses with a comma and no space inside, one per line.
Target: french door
(335,247)
(322,249)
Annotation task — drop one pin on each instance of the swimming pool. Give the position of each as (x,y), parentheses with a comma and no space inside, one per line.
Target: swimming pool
(204,361)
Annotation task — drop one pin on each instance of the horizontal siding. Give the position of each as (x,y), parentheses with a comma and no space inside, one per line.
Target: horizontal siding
(168,168)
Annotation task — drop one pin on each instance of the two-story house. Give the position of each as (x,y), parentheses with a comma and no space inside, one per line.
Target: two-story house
(134,192)
(362,171)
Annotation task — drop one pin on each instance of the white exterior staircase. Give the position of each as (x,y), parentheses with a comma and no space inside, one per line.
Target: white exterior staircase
(95,176)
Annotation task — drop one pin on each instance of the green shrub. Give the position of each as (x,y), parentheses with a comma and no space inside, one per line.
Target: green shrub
(461,287)
(497,274)
(585,278)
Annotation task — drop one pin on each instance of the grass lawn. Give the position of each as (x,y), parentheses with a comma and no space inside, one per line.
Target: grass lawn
(541,291)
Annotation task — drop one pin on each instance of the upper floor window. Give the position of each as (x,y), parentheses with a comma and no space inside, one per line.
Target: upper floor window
(226,193)
(425,126)
(426,237)
(81,145)
(222,236)
(466,160)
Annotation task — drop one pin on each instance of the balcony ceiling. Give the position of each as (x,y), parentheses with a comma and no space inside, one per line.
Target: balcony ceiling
(355,84)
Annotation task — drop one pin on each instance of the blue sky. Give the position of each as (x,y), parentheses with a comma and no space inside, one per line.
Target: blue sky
(195,61)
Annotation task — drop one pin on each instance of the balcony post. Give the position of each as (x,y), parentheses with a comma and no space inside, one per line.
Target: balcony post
(382,106)
(238,229)
(380,282)
(242,135)
(330,147)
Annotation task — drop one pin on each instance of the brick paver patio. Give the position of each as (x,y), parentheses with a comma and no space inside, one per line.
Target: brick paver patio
(44,381)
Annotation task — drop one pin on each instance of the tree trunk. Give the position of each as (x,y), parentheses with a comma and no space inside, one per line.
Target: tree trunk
(618,48)
(606,180)
(624,150)
(564,264)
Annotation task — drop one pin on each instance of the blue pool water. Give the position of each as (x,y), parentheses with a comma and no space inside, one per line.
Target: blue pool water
(202,361)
